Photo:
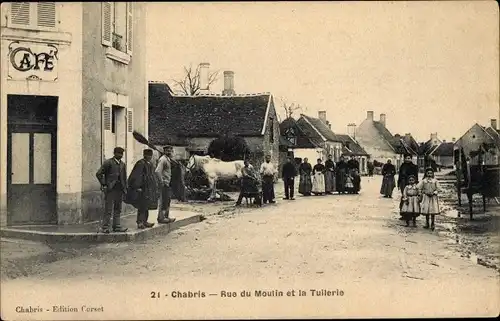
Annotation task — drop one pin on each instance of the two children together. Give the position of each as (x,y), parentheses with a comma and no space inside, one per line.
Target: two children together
(421,198)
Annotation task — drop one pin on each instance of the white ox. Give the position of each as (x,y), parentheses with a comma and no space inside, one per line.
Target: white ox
(215,169)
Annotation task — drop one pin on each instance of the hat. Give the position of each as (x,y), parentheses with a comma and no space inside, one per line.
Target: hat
(429,169)
(118,150)
(167,147)
(147,152)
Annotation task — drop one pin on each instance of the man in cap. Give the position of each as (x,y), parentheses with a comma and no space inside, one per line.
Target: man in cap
(164,172)
(113,178)
(143,190)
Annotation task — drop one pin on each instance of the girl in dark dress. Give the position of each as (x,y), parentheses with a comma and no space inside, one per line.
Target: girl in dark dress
(305,184)
(406,170)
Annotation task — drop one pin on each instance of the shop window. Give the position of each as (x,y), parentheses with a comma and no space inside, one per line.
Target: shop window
(33,15)
(117,22)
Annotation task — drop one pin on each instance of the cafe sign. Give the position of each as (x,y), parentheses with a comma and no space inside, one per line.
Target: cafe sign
(33,61)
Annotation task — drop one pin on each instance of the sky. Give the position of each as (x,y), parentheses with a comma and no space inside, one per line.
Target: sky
(430,67)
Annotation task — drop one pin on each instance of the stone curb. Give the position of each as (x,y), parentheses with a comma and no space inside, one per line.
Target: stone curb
(62,237)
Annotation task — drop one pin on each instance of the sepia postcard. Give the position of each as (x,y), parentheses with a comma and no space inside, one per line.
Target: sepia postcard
(249,160)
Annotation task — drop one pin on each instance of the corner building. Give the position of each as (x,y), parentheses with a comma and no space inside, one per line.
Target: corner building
(73,86)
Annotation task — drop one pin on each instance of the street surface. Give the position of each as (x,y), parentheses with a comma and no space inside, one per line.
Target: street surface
(351,245)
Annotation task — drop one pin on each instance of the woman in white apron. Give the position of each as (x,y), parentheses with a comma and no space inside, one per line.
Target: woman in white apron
(318,178)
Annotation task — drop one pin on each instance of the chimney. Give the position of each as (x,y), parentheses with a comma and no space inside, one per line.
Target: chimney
(434,136)
(228,83)
(204,75)
(382,119)
(322,116)
(444,140)
(453,140)
(408,136)
(494,124)
(369,115)
(351,130)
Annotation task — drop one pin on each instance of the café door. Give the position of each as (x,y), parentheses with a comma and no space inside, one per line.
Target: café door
(31,168)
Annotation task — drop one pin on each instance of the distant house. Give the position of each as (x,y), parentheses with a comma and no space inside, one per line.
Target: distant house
(426,147)
(379,143)
(442,154)
(319,133)
(480,144)
(293,142)
(191,123)
(351,148)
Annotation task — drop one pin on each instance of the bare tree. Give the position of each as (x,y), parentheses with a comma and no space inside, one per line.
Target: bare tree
(189,85)
(290,108)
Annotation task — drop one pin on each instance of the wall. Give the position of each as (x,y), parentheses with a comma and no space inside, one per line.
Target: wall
(112,82)
(472,140)
(270,147)
(67,87)
(373,143)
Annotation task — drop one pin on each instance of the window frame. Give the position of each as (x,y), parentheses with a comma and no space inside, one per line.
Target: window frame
(33,26)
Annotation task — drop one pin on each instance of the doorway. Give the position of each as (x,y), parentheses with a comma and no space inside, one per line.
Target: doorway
(31,159)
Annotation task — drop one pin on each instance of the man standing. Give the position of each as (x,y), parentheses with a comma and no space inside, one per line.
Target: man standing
(143,189)
(113,178)
(164,172)
(288,173)
(370,167)
(268,173)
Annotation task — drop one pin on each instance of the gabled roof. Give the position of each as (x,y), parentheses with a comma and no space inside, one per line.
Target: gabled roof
(350,146)
(303,140)
(205,115)
(443,149)
(395,143)
(495,134)
(320,127)
(411,144)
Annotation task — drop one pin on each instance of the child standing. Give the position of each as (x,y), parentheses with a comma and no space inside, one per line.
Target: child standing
(411,202)
(429,188)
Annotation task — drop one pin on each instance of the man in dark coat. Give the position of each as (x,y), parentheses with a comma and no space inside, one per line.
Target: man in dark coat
(370,167)
(113,178)
(143,192)
(341,175)
(288,173)
(406,170)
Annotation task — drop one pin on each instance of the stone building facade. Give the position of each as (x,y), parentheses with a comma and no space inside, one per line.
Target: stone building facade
(73,87)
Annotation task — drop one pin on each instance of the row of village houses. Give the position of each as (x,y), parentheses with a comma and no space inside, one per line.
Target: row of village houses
(74,86)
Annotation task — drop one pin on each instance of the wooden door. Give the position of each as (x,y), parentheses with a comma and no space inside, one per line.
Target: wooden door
(31,174)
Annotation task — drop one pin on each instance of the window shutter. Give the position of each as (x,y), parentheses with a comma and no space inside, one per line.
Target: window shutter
(107,23)
(20,13)
(130,21)
(46,14)
(130,120)
(129,153)
(106,139)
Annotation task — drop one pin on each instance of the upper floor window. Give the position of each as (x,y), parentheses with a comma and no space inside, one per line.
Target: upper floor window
(117,23)
(33,15)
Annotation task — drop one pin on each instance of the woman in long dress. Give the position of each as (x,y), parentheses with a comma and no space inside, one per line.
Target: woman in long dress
(305,184)
(318,178)
(388,182)
(329,175)
(341,175)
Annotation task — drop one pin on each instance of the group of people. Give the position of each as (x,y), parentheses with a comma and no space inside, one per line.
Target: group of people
(147,188)
(417,198)
(342,177)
